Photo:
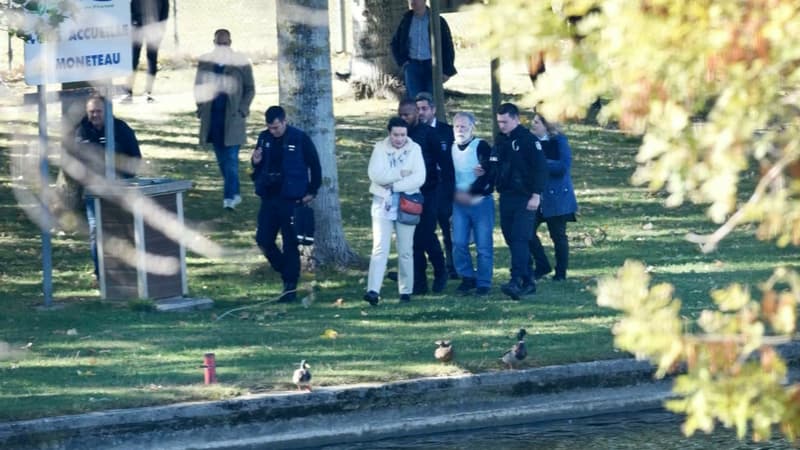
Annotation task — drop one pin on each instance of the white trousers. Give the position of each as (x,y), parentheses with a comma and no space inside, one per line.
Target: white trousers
(381,242)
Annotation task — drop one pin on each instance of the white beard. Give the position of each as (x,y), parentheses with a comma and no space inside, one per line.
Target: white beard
(461,140)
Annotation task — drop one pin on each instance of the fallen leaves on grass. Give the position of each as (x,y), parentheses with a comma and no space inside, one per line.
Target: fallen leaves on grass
(330,334)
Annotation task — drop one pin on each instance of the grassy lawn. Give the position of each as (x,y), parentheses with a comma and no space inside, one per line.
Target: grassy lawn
(93,355)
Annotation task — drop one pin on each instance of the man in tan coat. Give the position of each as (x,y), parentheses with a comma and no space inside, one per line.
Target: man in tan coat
(223,90)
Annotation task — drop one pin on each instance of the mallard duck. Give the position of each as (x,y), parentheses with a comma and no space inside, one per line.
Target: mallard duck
(302,376)
(518,352)
(444,351)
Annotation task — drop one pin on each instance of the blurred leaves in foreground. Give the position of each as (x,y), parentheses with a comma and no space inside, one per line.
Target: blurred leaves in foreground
(733,372)
(713,87)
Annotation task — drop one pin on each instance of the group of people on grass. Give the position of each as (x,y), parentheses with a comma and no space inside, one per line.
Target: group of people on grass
(456,174)
(450,171)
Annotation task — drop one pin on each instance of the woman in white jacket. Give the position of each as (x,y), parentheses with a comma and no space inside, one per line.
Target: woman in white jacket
(396,166)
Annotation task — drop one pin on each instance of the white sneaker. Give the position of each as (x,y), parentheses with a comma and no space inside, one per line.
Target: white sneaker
(236,200)
(227,203)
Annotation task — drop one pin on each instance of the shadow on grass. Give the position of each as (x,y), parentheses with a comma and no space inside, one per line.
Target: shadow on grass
(120,353)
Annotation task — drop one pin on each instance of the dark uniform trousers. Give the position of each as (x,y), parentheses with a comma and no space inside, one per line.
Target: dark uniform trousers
(425,241)
(444,213)
(275,215)
(516,223)
(557,227)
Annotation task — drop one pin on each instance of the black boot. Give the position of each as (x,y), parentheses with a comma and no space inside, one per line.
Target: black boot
(289,293)
(372,298)
(512,289)
(467,285)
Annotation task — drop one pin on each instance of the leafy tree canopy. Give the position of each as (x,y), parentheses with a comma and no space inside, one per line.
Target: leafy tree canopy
(713,88)
(711,85)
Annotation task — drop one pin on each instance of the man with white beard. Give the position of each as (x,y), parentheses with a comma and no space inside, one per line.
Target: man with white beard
(473,206)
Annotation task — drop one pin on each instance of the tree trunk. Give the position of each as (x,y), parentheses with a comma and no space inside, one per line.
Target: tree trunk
(305,91)
(373,72)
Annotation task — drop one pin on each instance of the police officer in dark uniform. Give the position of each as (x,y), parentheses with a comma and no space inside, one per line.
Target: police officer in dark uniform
(445,190)
(522,173)
(286,174)
(425,240)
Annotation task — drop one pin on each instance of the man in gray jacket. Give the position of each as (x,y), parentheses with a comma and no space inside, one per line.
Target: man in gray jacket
(223,90)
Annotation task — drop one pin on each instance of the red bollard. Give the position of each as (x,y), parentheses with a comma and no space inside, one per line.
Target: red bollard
(210,366)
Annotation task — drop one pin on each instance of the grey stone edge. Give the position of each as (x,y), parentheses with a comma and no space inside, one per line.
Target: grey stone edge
(362,412)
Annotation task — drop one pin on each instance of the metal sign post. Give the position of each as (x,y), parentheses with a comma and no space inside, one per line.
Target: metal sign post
(47,253)
(175,23)
(342,27)
(94,43)
(10,50)
(109,125)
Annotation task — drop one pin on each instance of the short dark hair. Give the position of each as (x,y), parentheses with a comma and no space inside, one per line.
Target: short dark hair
(508,108)
(220,33)
(275,112)
(407,101)
(425,96)
(396,121)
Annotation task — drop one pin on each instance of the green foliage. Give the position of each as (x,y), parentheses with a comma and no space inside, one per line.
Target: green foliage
(712,87)
(25,18)
(142,305)
(733,373)
(651,325)
(751,395)
(116,357)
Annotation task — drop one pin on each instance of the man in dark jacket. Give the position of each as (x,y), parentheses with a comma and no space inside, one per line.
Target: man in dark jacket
(412,50)
(521,176)
(87,154)
(425,240)
(444,191)
(149,21)
(286,174)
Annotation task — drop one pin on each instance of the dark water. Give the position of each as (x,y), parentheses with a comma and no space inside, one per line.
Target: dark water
(656,430)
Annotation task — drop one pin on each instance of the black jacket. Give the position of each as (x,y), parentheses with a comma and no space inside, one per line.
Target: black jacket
(89,143)
(299,173)
(145,12)
(484,184)
(444,134)
(522,167)
(400,44)
(426,137)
